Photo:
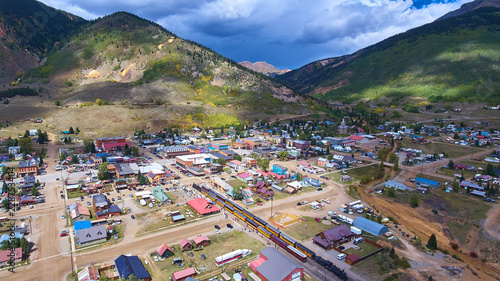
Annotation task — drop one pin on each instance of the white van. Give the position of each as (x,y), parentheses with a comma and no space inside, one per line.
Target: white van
(341,257)
(358,241)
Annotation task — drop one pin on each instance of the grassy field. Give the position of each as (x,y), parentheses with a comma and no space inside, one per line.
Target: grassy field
(451,150)
(379,267)
(307,228)
(364,249)
(75,194)
(219,245)
(6,226)
(356,173)
(450,172)
(158,219)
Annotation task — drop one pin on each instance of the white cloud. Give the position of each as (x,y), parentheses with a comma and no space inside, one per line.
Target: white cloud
(287,33)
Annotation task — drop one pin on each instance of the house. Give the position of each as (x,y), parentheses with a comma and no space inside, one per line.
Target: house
(194,160)
(112,211)
(244,177)
(89,274)
(201,241)
(219,183)
(111,144)
(279,170)
(203,207)
(157,176)
(79,225)
(124,170)
(426,182)
(295,185)
(14,150)
(237,165)
(160,194)
(334,237)
(250,162)
(165,251)
(186,245)
(265,192)
(92,235)
(100,202)
(128,265)
(5,256)
(252,142)
(370,226)
(80,213)
(176,150)
(303,145)
(28,168)
(323,161)
(272,265)
(184,274)
(26,200)
(396,185)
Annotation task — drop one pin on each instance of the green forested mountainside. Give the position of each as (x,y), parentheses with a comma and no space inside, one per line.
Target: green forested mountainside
(32,26)
(454,59)
(125,48)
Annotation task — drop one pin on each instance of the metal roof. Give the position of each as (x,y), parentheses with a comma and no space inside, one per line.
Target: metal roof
(370,226)
(277,266)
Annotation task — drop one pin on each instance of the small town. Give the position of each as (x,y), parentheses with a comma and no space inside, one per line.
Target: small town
(217,140)
(251,201)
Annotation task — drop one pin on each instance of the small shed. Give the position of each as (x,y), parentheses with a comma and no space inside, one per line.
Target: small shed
(201,241)
(186,245)
(165,251)
(352,259)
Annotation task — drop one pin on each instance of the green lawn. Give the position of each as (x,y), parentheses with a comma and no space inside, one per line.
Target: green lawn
(307,228)
(219,245)
(364,249)
(356,173)
(451,150)
(75,194)
(6,226)
(379,267)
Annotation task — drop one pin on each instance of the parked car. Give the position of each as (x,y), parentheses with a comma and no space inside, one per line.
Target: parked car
(217,227)
(229,226)
(341,248)
(341,256)
(317,219)
(259,203)
(63,234)
(133,217)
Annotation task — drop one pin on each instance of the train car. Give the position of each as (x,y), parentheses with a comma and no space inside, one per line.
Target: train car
(264,232)
(305,250)
(205,187)
(260,221)
(278,241)
(239,207)
(287,239)
(247,214)
(220,197)
(239,215)
(252,223)
(296,253)
(218,201)
(273,230)
(229,208)
(230,203)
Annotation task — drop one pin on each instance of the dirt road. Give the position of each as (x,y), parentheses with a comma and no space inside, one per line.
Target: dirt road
(492,222)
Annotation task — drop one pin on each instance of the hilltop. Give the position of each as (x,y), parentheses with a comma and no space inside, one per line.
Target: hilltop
(454,59)
(264,68)
(124,61)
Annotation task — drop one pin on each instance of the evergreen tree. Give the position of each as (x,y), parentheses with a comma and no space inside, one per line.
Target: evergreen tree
(71,130)
(432,243)
(26,134)
(392,254)
(451,164)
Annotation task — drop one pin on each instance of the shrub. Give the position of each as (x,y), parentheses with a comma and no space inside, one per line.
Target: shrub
(473,254)
(454,246)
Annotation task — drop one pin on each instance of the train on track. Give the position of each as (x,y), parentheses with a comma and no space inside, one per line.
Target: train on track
(274,234)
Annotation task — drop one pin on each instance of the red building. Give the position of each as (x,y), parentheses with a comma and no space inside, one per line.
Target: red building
(186,245)
(112,143)
(201,240)
(203,207)
(183,274)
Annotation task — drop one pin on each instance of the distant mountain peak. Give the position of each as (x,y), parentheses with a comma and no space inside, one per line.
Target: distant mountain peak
(264,68)
(471,6)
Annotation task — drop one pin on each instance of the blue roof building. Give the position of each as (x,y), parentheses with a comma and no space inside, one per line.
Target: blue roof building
(79,225)
(127,265)
(370,226)
(278,169)
(426,182)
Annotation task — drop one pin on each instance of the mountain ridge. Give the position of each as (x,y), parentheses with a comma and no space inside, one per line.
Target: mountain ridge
(437,61)
(264,68)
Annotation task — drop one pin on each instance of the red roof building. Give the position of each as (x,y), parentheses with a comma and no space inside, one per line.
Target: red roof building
(186,245)
(201,240)
(6,255)
(183,274)
(165,251)
(115,146)
(88,274)
(203,207)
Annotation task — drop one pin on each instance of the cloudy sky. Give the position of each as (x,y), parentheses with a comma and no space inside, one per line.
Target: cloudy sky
(285,33)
